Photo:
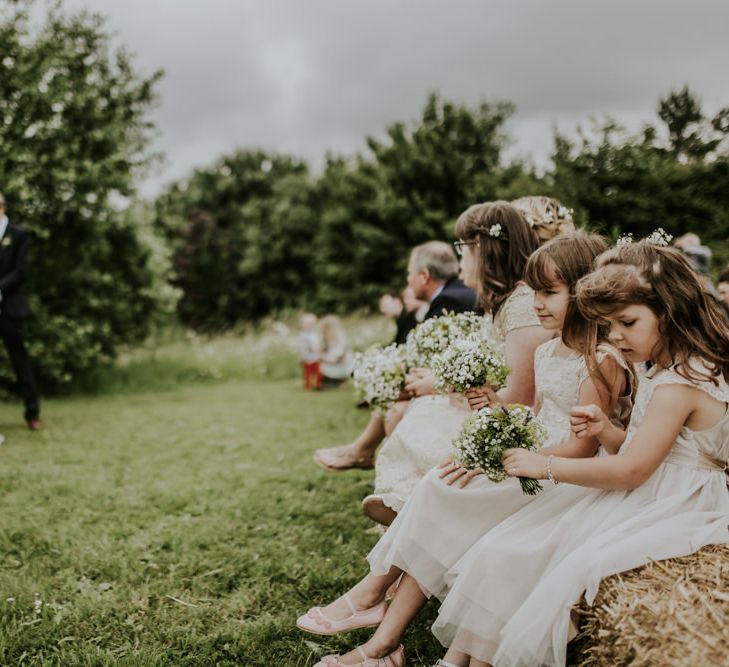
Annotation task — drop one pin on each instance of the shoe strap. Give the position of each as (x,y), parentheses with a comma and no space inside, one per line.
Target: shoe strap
(351,606)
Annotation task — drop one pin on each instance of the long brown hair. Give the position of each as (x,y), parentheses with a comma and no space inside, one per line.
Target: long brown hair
(502,256)
(567,259)
(691,323)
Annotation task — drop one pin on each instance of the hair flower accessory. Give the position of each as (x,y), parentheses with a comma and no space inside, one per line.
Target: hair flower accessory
(548,218)
(495,231)
(659,237)
(564,213)
(624,239)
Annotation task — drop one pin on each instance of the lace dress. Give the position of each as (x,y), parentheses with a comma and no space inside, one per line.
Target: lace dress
(511,594)
(423,438)
(440,523)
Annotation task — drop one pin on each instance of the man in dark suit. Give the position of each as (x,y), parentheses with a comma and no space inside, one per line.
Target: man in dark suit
(14,255)
(433,277)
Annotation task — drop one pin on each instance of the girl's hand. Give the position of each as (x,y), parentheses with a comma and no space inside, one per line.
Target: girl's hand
(452,472)
(417,373)
(422,385)
(587,421)
(480,397)
(522,463)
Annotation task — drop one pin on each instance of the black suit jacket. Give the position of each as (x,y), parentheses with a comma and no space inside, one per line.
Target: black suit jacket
(455,297)
(14,255)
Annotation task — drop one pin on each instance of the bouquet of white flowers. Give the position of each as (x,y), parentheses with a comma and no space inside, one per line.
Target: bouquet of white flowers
(489,432)
(468,363)
(435,335)
(379,375)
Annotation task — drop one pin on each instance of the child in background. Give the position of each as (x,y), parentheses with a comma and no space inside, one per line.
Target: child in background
(310,351)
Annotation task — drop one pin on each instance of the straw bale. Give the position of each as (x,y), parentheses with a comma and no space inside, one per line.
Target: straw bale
(671,613)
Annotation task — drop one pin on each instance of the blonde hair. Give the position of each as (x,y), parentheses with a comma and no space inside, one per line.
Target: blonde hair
(545,215)
(332,331)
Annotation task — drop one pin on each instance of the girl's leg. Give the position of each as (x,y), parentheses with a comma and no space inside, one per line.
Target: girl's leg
(365,594)
(458,658)
(394,416)
(408,601)
(358,454)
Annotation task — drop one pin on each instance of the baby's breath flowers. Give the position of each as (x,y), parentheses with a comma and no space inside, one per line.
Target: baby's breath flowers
(489,432)
(379,376)
(468,363)
(435,335)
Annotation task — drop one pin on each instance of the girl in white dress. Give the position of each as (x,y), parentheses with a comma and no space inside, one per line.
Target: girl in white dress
(493,263)
(548,218)
(442,520)
(664,495)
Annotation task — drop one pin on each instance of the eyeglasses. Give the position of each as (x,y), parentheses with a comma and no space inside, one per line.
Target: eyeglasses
(458,245)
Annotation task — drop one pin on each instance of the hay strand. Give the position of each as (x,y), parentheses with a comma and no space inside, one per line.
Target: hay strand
(671,613)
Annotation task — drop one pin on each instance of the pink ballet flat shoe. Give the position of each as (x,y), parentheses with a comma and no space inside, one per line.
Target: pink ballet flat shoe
(317,623)
(395,659)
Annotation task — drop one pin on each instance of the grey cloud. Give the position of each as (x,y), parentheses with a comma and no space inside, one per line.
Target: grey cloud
(310,76)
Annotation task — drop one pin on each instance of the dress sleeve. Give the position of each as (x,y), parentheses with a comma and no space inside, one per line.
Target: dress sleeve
(518,310)
(718,390)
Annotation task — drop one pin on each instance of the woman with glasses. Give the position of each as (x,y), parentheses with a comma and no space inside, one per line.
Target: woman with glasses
(495,241)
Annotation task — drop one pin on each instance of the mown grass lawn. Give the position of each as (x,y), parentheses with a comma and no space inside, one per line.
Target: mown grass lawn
(183,526)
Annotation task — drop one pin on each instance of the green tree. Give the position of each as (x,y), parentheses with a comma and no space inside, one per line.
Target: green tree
(671,175)
(241,233)
(73,133)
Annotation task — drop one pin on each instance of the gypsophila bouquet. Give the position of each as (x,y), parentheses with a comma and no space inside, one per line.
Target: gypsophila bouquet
(379,376)
(489,432)
(435,335)
(468,363)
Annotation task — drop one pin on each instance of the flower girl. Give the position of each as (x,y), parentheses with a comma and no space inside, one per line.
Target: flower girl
(443,519)
(664,495)
(495,243)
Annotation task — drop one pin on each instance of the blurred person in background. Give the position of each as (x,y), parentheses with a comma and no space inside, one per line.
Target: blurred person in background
(14,258)
(310,351)
(722,288)
(336,356)
(405,309)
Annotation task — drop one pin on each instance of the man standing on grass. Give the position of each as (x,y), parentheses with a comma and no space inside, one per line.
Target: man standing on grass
(14,255)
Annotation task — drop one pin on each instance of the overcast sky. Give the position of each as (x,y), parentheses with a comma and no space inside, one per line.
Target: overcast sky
(311,76)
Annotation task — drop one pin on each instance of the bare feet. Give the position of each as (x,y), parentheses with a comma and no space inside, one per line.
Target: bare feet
(374,507)
(346,457)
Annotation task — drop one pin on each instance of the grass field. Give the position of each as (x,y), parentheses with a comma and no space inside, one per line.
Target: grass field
(174,517)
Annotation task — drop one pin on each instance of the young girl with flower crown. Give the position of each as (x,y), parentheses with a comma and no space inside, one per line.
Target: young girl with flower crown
(664,495)
(443,518)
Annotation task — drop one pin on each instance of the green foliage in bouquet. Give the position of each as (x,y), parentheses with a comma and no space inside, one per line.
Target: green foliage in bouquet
(73,132)
(436,334)
(489,432)
(379,376)
(469,363)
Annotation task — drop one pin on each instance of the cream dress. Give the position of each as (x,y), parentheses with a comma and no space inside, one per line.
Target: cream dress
(511,594)
(441,522)
(423,438)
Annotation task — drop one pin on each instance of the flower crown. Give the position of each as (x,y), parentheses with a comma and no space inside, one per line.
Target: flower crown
(659,237)
(563,213)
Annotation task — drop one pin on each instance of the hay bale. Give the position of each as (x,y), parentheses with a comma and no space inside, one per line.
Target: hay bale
(670,613)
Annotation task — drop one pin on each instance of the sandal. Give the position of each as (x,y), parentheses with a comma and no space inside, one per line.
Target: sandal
(317,623)
(395,659)
(335,459)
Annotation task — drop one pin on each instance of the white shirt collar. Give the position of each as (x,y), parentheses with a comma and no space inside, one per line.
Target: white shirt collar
(3,226)
(435,294)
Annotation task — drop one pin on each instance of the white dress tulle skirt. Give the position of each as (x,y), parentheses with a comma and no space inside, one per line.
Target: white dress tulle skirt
(420,441)
(439,523)
(510,595)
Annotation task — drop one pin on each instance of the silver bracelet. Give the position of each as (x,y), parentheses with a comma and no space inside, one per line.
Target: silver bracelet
(550,476)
